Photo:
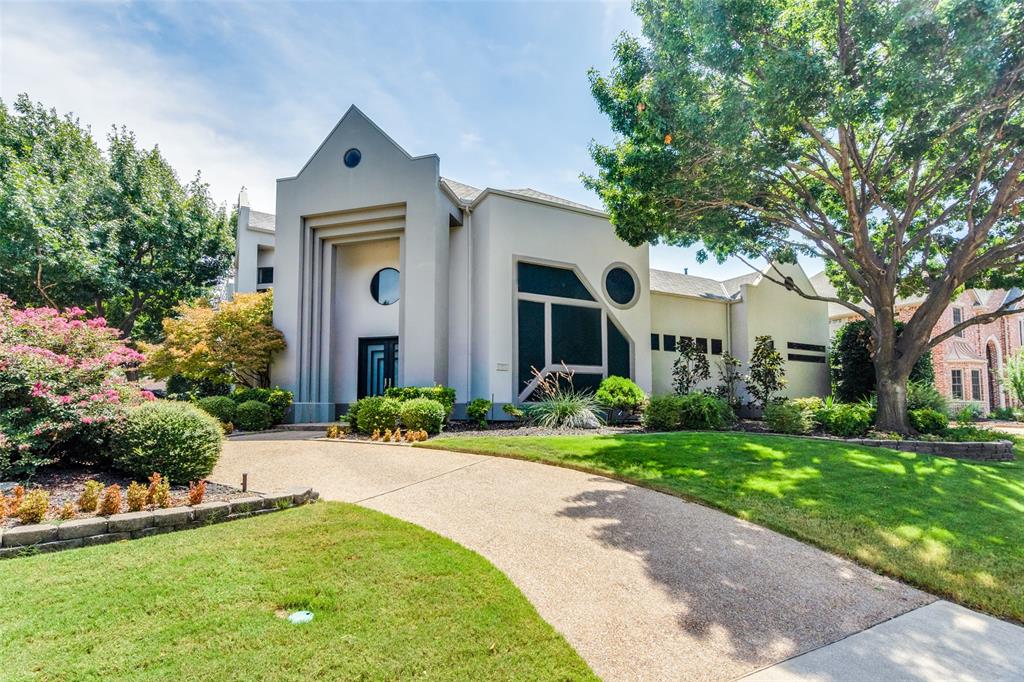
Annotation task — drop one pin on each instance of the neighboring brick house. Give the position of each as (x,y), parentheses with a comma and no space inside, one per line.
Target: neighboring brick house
(967,367)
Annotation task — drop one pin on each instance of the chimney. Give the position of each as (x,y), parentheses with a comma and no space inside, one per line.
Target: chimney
(686,271)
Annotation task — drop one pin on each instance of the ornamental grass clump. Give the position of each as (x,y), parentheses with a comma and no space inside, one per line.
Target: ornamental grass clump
(561,406)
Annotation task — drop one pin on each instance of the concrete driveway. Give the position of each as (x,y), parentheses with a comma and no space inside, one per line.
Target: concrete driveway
(642,584)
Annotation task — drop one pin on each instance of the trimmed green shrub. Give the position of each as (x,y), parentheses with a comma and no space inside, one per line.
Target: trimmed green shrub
(422,413)
(848,420)
(219,406)
(375,413)
(789,416)
(924,396)
(703,412)
(442,394)
(1004,413)
(477,410)
(619,393)
(662,413)
(278,399)
(511,410)
(175,439)
(928,421)
(252,415)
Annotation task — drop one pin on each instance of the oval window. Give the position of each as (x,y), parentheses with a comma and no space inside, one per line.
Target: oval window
(384,286)
(620,285)
(352,157)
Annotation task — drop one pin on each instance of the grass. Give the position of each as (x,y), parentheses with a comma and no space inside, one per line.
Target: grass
(951,527)
(391,601)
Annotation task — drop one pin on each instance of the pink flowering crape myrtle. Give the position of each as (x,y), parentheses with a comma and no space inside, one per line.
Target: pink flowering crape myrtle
(62,385)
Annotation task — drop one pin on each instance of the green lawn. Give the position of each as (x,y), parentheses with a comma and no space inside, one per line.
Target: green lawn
(951,527)
(391,601)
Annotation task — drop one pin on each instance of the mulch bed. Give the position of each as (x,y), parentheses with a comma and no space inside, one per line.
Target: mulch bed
(65,484)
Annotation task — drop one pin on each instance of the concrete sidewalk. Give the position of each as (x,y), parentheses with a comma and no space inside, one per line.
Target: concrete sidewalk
(645,586)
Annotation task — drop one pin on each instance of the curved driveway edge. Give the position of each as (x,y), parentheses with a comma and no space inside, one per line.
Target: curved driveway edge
(642,584)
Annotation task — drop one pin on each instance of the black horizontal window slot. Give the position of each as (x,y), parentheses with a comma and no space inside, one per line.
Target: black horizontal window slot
(797,357)
(805,346)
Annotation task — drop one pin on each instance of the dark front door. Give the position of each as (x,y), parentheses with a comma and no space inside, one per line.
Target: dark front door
(378,364)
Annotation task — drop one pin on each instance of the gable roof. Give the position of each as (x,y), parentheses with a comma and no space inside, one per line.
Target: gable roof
(261,220)
(469,195)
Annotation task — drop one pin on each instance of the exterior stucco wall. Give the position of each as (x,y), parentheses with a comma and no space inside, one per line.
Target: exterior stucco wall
(684,316)
(507,229)
(250,247)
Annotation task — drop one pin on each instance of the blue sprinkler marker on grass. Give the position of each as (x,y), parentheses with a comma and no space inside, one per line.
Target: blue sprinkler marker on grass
(300,617)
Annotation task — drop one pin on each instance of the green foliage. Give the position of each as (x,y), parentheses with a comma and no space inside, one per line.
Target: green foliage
(620,393)
(1004,413)
(767,372)
(690,366)
(221,407)
(233,343)
(478,409)
(848,420)
(252,415)
(924,396)
(970,433)
(926,420)
(175,439)
(376,413)
(278,399)
(513,411)
(118,235)
(969,413)
(788,416)
(662,413)
(180,387)
(422,413)
(442,394)
(569,409)
(1012,375)
(729,378)
(696,411)
(852,368)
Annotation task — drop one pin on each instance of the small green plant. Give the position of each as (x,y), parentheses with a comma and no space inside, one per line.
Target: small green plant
(159,491)
(620,395)
(787,416)
(136,496)
(927,420)
(1004,413)
(34,507)
(729,378)
(1012,375)
(662,413)
(922,395)
(511,410)
(376,413)
(477,411)
(90,497)
(422,413)
(690,367)
(968,414)
(767,371)
(253,415)
(848,420)
(220,407)
(175,438)
(703,412)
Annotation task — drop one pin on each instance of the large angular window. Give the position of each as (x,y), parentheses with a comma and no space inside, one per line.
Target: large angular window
(560,322)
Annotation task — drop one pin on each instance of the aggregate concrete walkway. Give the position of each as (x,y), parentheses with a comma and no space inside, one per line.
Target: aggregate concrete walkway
(643,585)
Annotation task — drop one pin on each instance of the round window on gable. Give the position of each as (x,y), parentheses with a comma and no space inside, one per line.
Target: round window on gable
(621,286)
(384,286)
(352,157)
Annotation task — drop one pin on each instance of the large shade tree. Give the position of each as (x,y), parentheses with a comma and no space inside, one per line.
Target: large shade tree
(884,137)
(116,233)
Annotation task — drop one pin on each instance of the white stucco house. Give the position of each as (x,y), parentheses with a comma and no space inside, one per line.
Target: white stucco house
(386,273)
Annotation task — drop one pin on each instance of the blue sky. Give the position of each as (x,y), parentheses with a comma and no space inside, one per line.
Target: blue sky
(245,92)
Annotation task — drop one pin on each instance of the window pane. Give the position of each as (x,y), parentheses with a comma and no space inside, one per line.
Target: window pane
(655,342)
(618,352)
(575,335)
(975,384)
(620,285)
(384,286)
(716,346)
(548,281)
(702,344)
(957,384)
(669,342)
(531,340)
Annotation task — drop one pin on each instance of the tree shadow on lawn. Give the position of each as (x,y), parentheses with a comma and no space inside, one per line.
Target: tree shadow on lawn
(950,526)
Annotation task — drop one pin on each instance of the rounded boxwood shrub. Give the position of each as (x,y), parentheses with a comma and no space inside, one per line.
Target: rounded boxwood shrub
(928,421)
(848,420)
(787,416)
(423,413)
(376,413)
(619,393)
(176,439)
(278,399)
(477,410)
(252,415)
(662,413)
(219,406)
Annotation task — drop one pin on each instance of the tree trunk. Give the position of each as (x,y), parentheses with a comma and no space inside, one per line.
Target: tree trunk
(892,400)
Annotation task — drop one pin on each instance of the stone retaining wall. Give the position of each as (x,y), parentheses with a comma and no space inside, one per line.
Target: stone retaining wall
(994,451)
(98,530)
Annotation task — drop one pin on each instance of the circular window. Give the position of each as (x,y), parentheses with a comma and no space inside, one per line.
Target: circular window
(352,157)
(621,286)
(384,286)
